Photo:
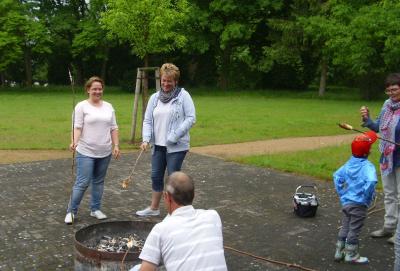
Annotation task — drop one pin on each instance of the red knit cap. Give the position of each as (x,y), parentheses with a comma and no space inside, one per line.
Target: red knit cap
(361,144)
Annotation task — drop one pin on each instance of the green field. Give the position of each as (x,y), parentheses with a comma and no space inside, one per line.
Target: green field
(319,163)
(41,119)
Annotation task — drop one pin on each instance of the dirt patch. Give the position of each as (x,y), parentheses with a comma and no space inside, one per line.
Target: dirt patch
(20,156)
(16,156)
(272,146)
(221,151)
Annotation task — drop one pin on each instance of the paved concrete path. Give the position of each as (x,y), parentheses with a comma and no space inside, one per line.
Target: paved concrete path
(255,205)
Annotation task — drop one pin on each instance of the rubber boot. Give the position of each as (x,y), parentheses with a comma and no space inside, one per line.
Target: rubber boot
(339,253)
(352,255)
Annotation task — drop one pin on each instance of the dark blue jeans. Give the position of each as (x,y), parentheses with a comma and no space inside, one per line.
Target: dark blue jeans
(89,171)
(161,160)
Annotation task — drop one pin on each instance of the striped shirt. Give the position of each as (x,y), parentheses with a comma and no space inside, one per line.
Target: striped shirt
(187,240)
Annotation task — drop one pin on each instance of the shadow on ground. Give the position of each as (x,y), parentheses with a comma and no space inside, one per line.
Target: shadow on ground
(254,203)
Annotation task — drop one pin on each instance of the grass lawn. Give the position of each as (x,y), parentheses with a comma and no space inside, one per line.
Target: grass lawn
(321,163)
(41,118)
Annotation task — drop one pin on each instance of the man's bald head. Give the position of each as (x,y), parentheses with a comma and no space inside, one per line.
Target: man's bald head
(181,187)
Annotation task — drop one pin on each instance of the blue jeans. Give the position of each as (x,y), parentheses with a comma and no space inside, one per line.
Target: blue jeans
(161,160)
(89,171)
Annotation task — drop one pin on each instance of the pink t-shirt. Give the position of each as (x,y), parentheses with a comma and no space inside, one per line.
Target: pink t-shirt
(96,124)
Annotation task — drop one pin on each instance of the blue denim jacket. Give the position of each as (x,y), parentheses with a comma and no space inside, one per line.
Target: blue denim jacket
(182,119)
(355,181)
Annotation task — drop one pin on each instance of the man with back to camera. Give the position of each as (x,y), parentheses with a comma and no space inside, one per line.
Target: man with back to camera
(187,239)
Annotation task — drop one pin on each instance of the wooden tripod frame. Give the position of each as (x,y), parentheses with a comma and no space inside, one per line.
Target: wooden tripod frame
(142,83)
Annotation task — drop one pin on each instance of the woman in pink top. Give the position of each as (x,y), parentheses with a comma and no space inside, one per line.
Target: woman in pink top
(95,139)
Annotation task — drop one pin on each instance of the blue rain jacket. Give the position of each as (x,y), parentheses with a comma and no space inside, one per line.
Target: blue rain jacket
(355,182)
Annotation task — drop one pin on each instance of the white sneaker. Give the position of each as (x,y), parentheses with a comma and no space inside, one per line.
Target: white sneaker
(69,218)
(98,214)
(136,267)
(148,212)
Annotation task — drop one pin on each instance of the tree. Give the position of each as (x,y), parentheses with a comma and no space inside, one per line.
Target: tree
(11,24)
(239,29)
(36,42)
(91,43)
(336,34)
(318,29)
(150,26)
(368,46)
(63,18)
(298,39)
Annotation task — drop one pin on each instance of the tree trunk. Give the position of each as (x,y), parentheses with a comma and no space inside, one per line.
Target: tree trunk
(79,72)
(2,79)
(28,67)
(136,105)
(322,81)
(370,85)
(145,85)
(224,71)
(192,69)
(104,64)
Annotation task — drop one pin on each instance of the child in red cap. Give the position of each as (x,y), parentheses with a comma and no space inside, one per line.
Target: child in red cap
(355,184)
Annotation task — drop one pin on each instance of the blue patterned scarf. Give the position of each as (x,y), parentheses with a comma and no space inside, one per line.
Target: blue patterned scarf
(387,129)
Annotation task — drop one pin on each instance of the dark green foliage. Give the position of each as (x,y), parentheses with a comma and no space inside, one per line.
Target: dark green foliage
(231,44)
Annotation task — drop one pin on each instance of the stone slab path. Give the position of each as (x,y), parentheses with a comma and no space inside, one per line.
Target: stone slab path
(255,205)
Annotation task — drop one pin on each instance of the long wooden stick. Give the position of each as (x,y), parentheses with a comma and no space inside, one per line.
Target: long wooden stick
(349,127)
(73,140)
(73,122)
(126,181)
(269,260)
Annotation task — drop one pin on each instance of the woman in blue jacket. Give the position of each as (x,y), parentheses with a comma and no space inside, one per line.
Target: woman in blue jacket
(170,114)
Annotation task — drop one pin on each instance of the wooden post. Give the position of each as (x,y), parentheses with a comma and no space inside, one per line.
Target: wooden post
(145,92)
(158,86)
(135,105)
(142,84)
